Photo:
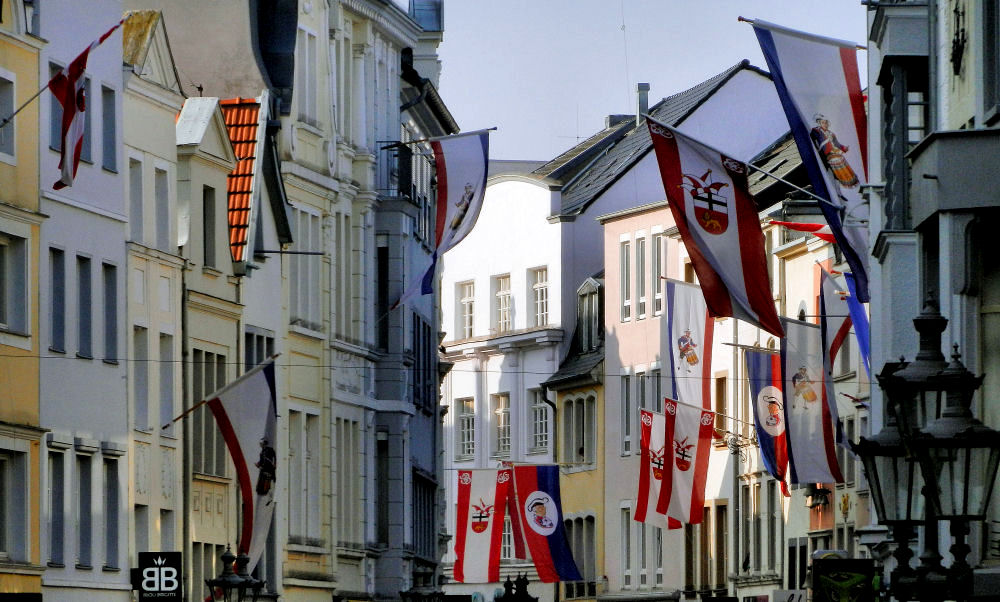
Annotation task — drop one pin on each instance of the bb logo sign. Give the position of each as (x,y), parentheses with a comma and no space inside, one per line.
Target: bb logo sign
(158,576)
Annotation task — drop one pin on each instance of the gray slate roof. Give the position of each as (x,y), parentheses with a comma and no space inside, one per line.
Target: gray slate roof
(635,141)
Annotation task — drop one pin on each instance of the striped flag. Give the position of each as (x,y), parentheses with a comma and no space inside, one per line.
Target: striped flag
(821,231)
(656,464)
(810,412)
(68,86)
(482,498)
(245,413)
(764,374)
(859,317)
(540,508)
(690,330)
(717,220)
(818,84)
(689,441)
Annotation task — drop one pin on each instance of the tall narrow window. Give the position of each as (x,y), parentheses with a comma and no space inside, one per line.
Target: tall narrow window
(501,424)
(161,194)
(86,152)
(655,376)
(467,299)
(57,512)
(625,274)
(643,560)
(721,545)
(773,511)
(305,269)
(504,311)
(110,276)
(658,555)
(208,212)
(167,382)
(135,199)
(55,114)
(84,519)
(466,431)
(111,497)
(109,134)
(305,89)
(208,374)
(6,108)
(57,299)
(640,276)
(141,514)
(540,293)
(84,309)
(657,274)
(13,283)
(539,420)
(626,549)
(626,427)
(140,375)
(757,528)
(746,528)
(721,406)
(640,390)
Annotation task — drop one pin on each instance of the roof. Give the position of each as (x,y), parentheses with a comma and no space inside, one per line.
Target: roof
(507,167)
(242,117)
(137,34)
(194,119)
(563,168)
(619,158)
(576,368)
(147,52)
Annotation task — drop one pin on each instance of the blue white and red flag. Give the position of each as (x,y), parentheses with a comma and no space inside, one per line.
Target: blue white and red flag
(859,317)
(818,84)
(689,442)
(710,201)
(810,409)
(245,412)
(540,508)
(764,374)
(482,499)
(460,163)
(689,332)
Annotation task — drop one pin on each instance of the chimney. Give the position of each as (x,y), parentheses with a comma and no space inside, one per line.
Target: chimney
(642,96)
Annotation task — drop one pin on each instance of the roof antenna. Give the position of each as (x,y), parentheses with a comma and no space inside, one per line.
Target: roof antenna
(200,88)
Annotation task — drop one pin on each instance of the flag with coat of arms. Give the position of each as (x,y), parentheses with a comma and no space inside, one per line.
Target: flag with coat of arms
(482,500)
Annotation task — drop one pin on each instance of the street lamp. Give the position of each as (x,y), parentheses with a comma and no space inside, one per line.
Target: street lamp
(235,585)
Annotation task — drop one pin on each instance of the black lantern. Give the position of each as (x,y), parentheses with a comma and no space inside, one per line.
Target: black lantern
(894,476)
(235,585)
(914,391)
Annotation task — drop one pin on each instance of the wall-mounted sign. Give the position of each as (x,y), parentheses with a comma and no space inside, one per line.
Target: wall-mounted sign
(158,576)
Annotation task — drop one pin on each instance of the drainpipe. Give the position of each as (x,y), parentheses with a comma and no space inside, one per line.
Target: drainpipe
(186,429)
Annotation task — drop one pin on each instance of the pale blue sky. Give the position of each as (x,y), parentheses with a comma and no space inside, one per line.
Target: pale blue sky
(547,71)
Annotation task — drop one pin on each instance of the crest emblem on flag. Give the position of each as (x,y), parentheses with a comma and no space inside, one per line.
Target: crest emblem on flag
(682,454)
(769,410)
(542,513)
(711,208)
(656,461)
(481,516)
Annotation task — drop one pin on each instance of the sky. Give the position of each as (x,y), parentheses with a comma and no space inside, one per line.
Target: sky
(546,73)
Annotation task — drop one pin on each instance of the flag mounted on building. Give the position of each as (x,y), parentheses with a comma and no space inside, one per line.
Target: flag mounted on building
(245,412)
(764,374)
(818,84)
(835,322)
(810,412)
(539,507)
(717,220)
(689,331)
(859,318)
(69,88)
(460,162)
(655,465)
(482,499)
(821,231)
(688,441)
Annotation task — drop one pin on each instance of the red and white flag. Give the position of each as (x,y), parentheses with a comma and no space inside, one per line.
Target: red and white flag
(821,231)
(656,464)
(68,88)
(710,200)
(482,499)
(245,413)
(688,438)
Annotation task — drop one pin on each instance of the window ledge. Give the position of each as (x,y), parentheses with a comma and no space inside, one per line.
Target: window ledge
(306,548)
(307,332)
(57,350)
(84,356)
(84,567)
(110,361)
(211,271)
(17,333)
(110,569)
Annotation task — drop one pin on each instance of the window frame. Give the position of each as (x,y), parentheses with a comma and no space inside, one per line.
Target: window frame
(503,308)
(467,303)
(8,82)
(500,408)
(540,295)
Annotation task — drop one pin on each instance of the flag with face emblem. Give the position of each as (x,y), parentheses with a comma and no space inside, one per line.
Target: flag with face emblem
(764,374)
(539,506)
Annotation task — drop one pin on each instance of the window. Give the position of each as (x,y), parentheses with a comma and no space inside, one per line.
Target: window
(626,427)
(305,269)
(721,545)
(466,428)
(689,275)
(7,132)
(305,88)
(208,374)
(721,407)
(625,267)
(85,152)
(746,528)
(258,346)
(504,310)
(111,497)
(539,420)
(32,17)
(588,318)
(467,301)
(991,61)
(579,425)
(135,199)
(540,295)
(424,380)
(626,547)
(141,512)
(84,519)
(424,524)
(55,114)
(658,555)
(208,211)
(757,527)
(643,561)
(501,424)
(57,299)
(845,357)
(691,557)
(57,512)
(640,275)
(507,540)
(655,377)
(905,119)
(580,533)
(657,275)
(166,530)
(162,198)
(167,384)
(798,550)
(13,508)
(303,476)
(140,374)
(110,276)
(773,517)
(640,390)
(347,479)
(83,304)
(13,283)
(847,460)
(109,135)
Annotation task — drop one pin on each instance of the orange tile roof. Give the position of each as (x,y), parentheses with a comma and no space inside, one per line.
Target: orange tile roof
(242,120)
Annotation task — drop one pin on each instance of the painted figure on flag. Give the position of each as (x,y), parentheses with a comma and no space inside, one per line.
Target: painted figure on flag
(711,208)
(682,454)
(481,514)
(539,505)
(685,348)
(803,385)
(832,152)
(463,205)
(769,408)
(267,463)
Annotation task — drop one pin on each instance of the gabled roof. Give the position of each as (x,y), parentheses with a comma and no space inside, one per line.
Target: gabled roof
(563,168)
(635,142)
(146,48)
(783,160)
(244,124)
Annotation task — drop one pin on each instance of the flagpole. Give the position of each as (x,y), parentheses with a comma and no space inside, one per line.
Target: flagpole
(254,370)
(432,139)
(803,34)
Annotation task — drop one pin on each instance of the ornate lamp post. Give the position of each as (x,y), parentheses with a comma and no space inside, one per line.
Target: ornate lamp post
(235,586)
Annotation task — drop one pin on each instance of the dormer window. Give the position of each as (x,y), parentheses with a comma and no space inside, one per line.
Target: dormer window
(588,315)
